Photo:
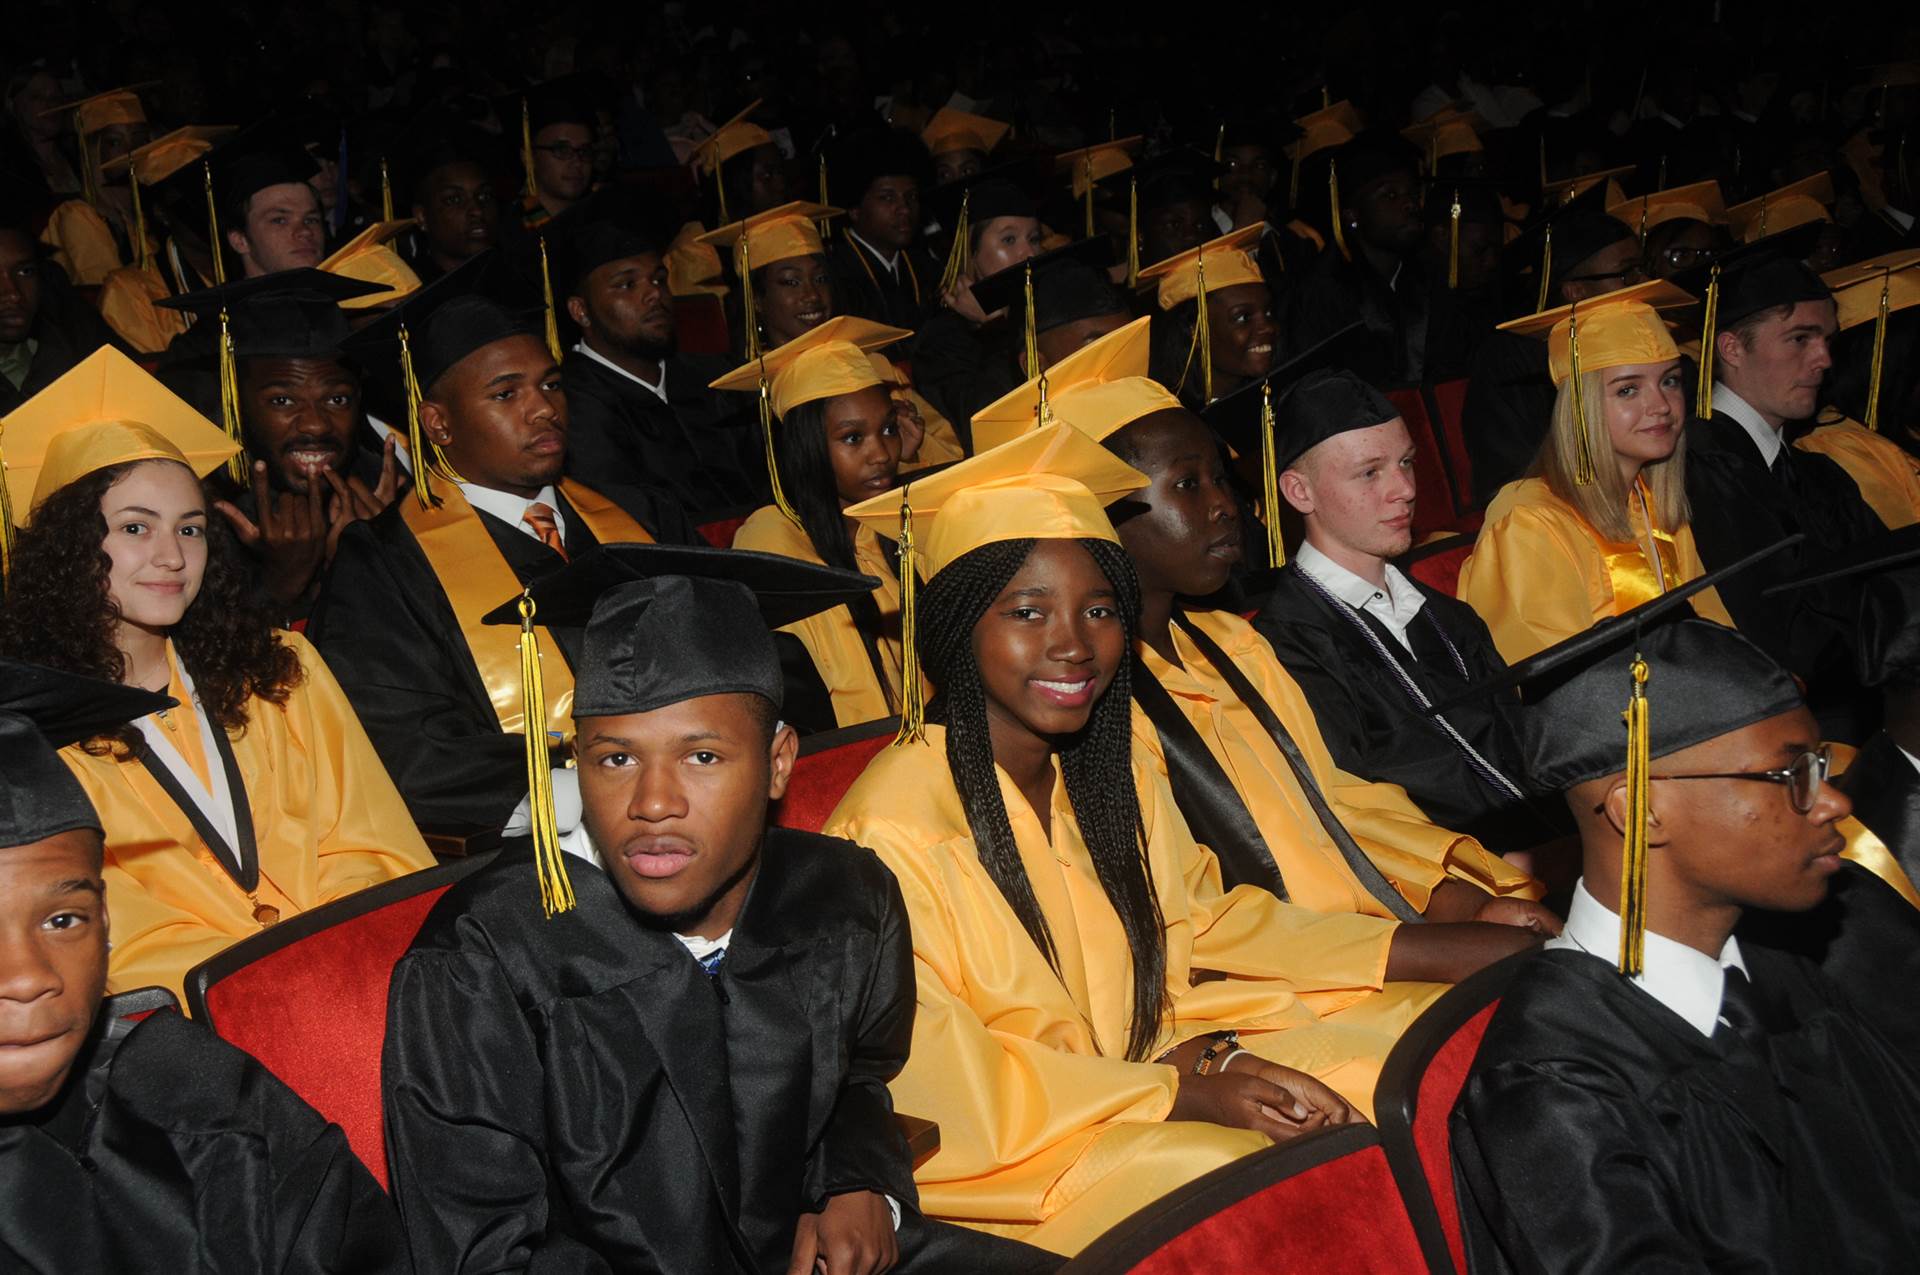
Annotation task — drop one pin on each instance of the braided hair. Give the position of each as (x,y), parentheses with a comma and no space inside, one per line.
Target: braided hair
(1096,765)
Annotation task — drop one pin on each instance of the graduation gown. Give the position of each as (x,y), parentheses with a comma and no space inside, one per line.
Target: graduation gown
(1887,474)
(620,434)
(1539,573)
(66,331)
(861,675)
(1508,410)
(577,1094)
(84,243)
(385,624)
(1374,729)
(962,368)
(326,823)
(170,1150)
(1336,292)
(863,286)
(1599,1131)
(1047,1130)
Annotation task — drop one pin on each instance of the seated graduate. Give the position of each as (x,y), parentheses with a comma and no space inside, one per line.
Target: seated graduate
(454,200)
(257,796)
(1215,329)
(297,413)
(399,613)
(149,1146)
(1081,971)
(44,327)
(639,410)
(1602,523)
(1654,1092)
(94,235)
(748,172)
(179,257)
(1236,738)
(834,443)
(881,270)
(959,143)
(1871,386)
(671,1052)
(1371,648)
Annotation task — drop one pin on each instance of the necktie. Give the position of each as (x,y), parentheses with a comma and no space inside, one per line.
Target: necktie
(1740,1019)
(539,516)
(711,961)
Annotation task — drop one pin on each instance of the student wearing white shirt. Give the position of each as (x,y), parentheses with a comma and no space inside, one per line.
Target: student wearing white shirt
(881,270)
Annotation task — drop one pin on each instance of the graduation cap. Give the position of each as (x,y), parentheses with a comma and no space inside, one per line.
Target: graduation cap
(1364,159)
(1322,130)
(1457,202)
(1699,201)
(1099,389)
(1051,484)
(43,710)
(970,202)
(1225,262)
(1794,204)
(1565,236)
(369,257)
(156,162)
(91,114)
(663,624)
(823,362)
(950,130)
(693,266)
(1052,289)
(1680,682)
(105,410)
(1870,291)
(293,314)
(1448,131)
(1742,281)
(1606,181)
(778,234)
(1087,167)
(735,137)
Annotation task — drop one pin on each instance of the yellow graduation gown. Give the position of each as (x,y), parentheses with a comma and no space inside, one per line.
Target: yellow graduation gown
(83,244)
(326,818)
(1411,850)
(1539,573)
(940,445)
(1047,1131)
(1887,474)
(126,301)
(831,638)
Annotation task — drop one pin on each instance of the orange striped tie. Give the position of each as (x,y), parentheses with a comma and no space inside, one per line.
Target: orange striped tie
(539,516)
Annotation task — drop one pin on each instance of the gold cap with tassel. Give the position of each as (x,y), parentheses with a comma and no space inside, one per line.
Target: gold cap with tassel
(1270,481)
(959,257)
(386,191)
(1453,241)
(526,151)
(1709,331)
(552,323)
(549,860)
(215,248)
(1099,389)
(1871,292)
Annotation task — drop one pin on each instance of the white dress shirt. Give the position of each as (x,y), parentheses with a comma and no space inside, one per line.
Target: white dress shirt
(659,389)
(1764,436)
(512,509)
(1686,981)
(1395,606)
(889,261)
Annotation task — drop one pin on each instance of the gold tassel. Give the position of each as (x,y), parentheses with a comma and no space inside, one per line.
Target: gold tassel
(1703,397)
(780,501)
(1270,476)
(1763,218)
(1633,854)
(913,700)
(1202,346)
(959,256)
(526,150)
(1133,233)
(89,187)
(1088,198)
(825,224)
(143,254)
(1220,145)
(386,192)
(213,228)
(1583,446)
(549,860)
(1453,242)
(1643,223)
(417,447)
(1546,271)
(1033,337)
(749,312)
(1333,198)
(546,294)
(1879,356)
(6,527)
(238,466)
(1326,99)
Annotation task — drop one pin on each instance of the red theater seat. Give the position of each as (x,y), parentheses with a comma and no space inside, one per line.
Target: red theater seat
(1419,1083)
(1449,399)
(1434,507)
(700,325)
(308,998)
(829,763)
(720,532)
(1437,564)
(1323,1203)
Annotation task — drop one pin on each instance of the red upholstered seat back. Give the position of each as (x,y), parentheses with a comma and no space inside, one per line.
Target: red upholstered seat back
(314,1011)
(827,766)
(1440,1087)
(1449,422)
(1434,508)
(720,532)
(1441,570)
(700,325)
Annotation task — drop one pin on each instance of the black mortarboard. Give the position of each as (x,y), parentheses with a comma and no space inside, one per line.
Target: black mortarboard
(1580,228)
(1175,177)
(1479,202)
(1006,289)
(1372,154)
(1321,405)
(594,245)
(1240,417)
(287,314)
(1757,276)
(987,195)
(270,153)
(480,301)
(1884,615)
(42,710)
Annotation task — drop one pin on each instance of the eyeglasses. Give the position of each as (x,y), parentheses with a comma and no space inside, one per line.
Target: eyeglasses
(1803,779)
(1627,274)
(566,152)
(1681,257)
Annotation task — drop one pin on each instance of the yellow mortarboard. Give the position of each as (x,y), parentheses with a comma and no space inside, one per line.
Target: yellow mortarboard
(951,130)
(693,265)
(1091,165)
(1098,389)
(103,110)
(1792,205)
(370,258)
(734,137)
(1448,131)
(1568,189)
(1052,484)
(103,411)
(1335,125)
(1219,263)
(158,160)
(1699,201)
(1867,292)
(791,230)
(825,362)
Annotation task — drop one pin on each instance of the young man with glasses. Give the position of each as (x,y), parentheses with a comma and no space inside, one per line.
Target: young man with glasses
(1652,1092)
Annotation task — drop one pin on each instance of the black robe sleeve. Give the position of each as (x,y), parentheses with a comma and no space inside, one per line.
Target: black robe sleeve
(1508,410)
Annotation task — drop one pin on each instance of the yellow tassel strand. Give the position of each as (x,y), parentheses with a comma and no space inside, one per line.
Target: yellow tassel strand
(1453,243)
(526,150)
(766,435)
(386,192)
(1033,337)
(1643,222)
(1201,348)
(961,253)
(238,466)
(549,860)
(913,700)
(1763,218)
(1546,271)
(1633,853)
(417,448)
(749,312)
(1879,356)
(1583,445)
(213,228)
(1088,198)
(546,294)
(1333,198)
(1133,233)
(1709,324)
(1270,476)
(89,188)
(143,252)
(6,527)
(825,224)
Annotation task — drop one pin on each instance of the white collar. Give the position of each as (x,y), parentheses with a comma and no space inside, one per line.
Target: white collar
(1401,596)
(892,263)
(1911,759)
(1686,981)
(1764,436)
(1903,220)
(511,509)
(386,431)
(659,389)
(703,948)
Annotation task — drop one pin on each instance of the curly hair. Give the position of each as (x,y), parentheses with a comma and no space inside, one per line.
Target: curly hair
(1096,765)
(58,612)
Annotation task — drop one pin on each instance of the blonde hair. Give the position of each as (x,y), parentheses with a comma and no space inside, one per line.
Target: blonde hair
(1603,502)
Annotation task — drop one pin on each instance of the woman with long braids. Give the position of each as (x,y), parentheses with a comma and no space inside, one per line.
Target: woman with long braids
(1098,1020)
(257,795)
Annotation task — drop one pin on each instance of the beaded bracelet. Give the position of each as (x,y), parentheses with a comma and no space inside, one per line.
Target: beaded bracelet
(1221,1040)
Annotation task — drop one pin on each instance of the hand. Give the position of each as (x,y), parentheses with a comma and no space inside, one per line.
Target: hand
(853,1235)
(959,299)
(1521,912)
(1262,1096)
(912,426)
(289,531)
(353,502)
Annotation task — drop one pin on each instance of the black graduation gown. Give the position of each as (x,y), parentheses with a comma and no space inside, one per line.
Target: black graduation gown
(170,1150)
(693,445)
(1335,292)
(1739,505)
(961,368)
(1600,1132)
(68,330)
(863,286)
(385,627)
(1373,727)
(577,1094)
(1885,790)
(1508,410)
